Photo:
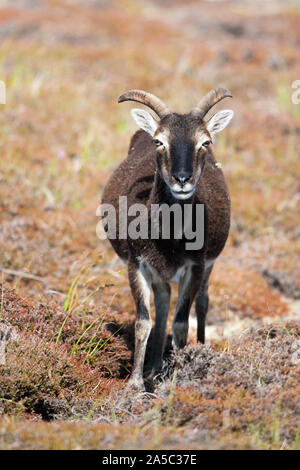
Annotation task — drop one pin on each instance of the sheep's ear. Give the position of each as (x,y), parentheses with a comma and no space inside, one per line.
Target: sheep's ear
(144,120)
(219,121)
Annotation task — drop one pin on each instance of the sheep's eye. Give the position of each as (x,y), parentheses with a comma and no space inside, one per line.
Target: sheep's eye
(206,143)
(158,143)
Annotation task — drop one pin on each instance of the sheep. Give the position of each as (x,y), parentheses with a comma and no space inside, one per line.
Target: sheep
(170,163)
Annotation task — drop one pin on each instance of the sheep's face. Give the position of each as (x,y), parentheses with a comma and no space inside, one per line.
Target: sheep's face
(182,142)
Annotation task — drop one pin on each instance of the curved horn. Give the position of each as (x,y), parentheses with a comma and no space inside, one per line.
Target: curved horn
(210,99)
(148,99)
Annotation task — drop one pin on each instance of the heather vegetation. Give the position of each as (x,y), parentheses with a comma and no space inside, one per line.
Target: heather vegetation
(66,316)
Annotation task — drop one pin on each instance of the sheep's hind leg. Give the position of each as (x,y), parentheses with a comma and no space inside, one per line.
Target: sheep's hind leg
(202,302)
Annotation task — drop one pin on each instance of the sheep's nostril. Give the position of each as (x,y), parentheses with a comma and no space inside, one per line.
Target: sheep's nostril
(183,177)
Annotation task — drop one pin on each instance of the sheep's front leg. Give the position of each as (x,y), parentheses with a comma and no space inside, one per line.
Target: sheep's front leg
(162,293)
(188,287)
(140,288)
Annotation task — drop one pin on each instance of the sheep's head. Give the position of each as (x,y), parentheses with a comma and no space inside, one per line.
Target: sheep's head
(181,140)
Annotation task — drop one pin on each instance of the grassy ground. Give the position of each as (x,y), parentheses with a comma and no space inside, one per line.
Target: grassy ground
(64,294)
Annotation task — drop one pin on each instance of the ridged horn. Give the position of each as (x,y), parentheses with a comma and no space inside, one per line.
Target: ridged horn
(210,99)
(148,99)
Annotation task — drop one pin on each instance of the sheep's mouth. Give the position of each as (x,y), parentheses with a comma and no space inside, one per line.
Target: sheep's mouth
(181,194)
